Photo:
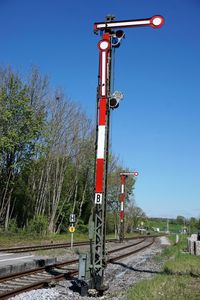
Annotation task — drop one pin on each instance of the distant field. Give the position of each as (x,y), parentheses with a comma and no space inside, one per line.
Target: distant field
(162,225)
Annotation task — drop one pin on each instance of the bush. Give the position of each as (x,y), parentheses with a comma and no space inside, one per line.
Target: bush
(81,227)
(12,227)
(38,225)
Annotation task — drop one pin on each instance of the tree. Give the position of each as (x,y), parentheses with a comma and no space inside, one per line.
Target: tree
(59,179)
(20,128)
(180,220)
(134,216)
(47,157)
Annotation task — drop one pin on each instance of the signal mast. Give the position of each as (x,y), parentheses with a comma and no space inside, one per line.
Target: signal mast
(106,100)
(123,178)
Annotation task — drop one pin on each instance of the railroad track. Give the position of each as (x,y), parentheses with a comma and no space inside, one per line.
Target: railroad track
(58,245)
(14,284)
(42,247)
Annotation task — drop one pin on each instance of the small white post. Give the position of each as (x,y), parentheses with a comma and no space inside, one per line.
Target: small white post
(72,237)
(177,238)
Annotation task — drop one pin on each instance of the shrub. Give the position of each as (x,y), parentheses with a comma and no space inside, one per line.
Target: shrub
(81,227)
(38,225)
(12,227)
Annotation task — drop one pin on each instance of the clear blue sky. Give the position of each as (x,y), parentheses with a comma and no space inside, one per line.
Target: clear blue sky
(156,129)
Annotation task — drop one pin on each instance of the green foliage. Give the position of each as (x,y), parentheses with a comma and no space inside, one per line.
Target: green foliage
(38,225)
(20,123)
(82,228)
(134,217)
(180,220)
(24,204)
(13,228)
(110,222)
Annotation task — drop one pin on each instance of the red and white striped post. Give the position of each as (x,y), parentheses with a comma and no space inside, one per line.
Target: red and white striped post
(104,47)
(123,178)
(102,141)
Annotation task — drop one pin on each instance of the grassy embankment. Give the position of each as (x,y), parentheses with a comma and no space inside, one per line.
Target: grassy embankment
(21,239)
(179,280)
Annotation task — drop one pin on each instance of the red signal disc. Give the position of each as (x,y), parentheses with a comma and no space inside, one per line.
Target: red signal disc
(103,45)
(157,21)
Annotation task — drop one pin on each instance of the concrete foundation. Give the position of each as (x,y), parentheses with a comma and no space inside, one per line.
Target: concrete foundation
(194,245)
(190,246)
(19,264)
(197,248)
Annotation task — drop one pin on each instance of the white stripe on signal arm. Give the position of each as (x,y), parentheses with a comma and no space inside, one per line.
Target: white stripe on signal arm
(122,206)
(121,24)
(122,190)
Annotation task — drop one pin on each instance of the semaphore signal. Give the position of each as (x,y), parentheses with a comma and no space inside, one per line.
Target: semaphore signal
(123,179)
(111,36)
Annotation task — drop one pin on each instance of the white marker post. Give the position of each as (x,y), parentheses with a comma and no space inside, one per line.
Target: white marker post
(72,220)
(72,240)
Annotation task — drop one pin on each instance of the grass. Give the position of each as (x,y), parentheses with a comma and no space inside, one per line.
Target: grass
(24,239)
(180,279)
(167,287)
(162,225)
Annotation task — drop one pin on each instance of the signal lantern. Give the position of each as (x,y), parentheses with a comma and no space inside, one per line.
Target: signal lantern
(115,42)
(115,98)
(116,38)
(120,34)
(113,103)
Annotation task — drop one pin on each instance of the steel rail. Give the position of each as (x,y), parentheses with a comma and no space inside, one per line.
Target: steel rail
(60,245)
(132,252)
(41,247)
(127,246)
